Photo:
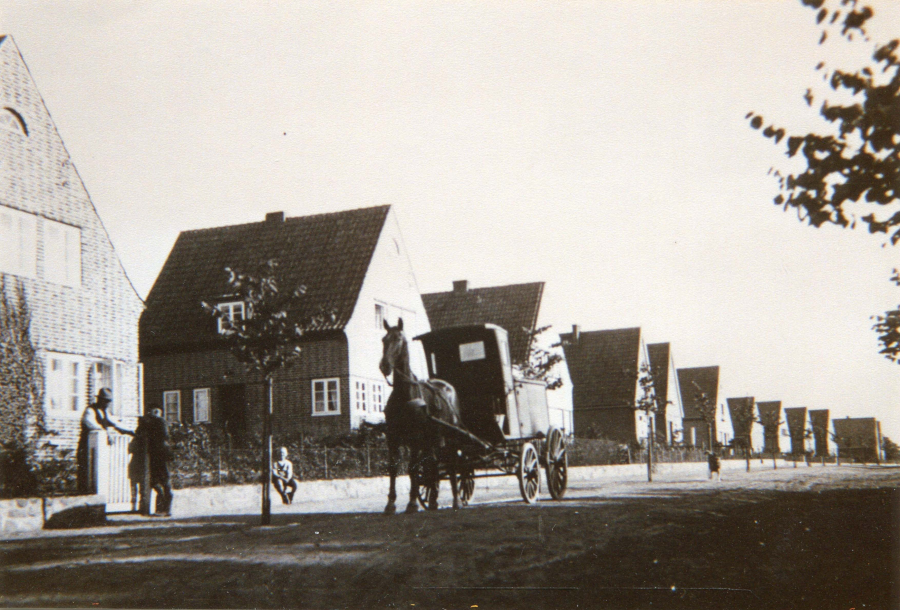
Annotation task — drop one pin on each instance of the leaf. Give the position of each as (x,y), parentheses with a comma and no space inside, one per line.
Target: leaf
(821,16)
(756,122)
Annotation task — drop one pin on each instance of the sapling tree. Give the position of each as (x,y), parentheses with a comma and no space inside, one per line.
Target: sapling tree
(540,363)
(647,403)
(744,414)
(266,339)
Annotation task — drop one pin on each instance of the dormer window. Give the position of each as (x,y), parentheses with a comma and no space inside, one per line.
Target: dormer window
(10,120)
(233,312)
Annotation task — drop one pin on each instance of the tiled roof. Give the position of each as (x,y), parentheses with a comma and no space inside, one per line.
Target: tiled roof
(769,412)
(796,420)
(328,253)
(741,413)
(512,307)
(707,377)
(603,366)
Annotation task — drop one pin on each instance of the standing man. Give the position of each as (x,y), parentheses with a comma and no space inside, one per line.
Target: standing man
(154,432)
(95,417)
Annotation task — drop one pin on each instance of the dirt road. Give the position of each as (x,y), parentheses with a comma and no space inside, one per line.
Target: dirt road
(794,538)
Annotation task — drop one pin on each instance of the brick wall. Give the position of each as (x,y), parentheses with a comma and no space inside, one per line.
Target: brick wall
(613,423)
(98,319)
(292,388)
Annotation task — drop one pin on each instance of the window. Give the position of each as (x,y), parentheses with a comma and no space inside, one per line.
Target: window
(326,396)
(201,405)
(103,378)
(18,242)
(361,396)
(10,120)
(379,316)
(64,385)
(233,311)
(62,253)
(172,406)
(377,397)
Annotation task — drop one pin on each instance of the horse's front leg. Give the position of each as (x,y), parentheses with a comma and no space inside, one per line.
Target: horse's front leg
(393,454)
(415,466)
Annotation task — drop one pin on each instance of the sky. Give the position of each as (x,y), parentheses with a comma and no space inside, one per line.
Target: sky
(600,147)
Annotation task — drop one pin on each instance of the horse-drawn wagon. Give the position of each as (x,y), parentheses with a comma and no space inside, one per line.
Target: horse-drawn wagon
(498,424)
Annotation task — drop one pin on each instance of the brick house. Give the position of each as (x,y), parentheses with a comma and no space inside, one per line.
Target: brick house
(697,431)
(744,431)
(514,308)
(353,263)
(818,421)
(770,418)
(604,366)
(858,438)
(84,309)
(795,418)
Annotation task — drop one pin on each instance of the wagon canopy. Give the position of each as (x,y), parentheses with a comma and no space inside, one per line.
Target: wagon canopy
(494,406)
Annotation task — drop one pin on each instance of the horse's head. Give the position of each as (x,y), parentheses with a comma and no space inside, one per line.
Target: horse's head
(394,351)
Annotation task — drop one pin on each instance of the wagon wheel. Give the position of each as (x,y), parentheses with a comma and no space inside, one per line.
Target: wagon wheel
(557,464)
(466,486)
(429,481)
(529,473)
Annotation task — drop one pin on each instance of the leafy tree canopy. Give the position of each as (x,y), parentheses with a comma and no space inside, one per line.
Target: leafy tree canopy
(541,363)
(268,337)
(860,161)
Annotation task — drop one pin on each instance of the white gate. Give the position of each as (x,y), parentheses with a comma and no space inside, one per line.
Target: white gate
(108,464)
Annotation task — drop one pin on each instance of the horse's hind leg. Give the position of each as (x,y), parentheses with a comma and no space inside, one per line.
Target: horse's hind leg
(393,451)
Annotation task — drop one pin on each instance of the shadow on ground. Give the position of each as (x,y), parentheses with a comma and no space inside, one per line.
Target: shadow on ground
(699,548)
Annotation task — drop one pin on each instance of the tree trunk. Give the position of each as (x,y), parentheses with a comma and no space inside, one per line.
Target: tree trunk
(650,436)
(266,518)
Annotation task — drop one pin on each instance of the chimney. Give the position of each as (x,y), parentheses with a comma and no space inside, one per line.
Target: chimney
(460,286)
(275,217)
(576,333)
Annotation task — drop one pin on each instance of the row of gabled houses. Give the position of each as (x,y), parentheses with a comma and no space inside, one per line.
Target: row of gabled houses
(91,329)
(605,366)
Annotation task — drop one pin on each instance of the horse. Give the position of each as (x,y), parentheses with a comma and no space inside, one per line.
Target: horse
(410,415)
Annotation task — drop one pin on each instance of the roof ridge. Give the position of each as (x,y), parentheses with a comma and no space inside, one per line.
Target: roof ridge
(486,288)
(605,330)
(288,219)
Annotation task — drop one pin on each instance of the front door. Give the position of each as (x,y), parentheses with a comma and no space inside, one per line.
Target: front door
(233,399)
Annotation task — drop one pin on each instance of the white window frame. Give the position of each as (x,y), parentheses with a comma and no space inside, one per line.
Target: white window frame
(204,392)
(99,370)
(377,397)
(359,394)
(380,315)
(18,242)
(65,385)
(165,404)
(62,253)
(326,386)
(229,309)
